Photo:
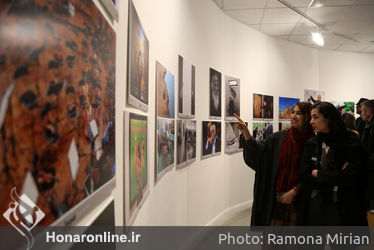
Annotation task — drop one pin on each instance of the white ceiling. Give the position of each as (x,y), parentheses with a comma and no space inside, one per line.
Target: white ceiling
(348,25)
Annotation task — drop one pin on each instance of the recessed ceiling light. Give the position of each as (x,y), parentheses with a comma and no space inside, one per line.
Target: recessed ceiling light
(318,38)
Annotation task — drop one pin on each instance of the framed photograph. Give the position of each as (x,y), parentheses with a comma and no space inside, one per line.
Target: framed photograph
(138,62)
(263,107)
(165,92)
(232,90)
(262,130)
(345,107)
(164,147)
(215,94)
(285,107)
(211,139)
(136,164)
(186,142)
(112,7)
(313,96)
(57,108)
(232,138)
(186,88)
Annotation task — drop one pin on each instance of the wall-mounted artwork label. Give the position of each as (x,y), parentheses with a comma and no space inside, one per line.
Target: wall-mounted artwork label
(263,106)
(313,96)
(211,138)
(186,88)
(165,146)
(232,138)
(232,90)
(262,130)
(165,91)
(285,107)
(57,108)
(136,164)
(215,94)
(138,62)
(186,142)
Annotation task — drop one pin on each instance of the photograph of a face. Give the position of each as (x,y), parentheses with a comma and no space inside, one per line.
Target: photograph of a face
(232,90)
(284,125)
(186,142)
(165,91)
(215,94)
(285,107)
(262,130)
(312,96)
(211,138)
(136,170)
(138,64)
(232,138)
(165,146)
(263,106)
(186,88)
(57,108)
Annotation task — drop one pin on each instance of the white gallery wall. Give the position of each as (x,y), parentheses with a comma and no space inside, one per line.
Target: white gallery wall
(209,189)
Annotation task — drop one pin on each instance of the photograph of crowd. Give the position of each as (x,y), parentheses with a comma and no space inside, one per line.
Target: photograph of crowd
(165,146)
(262,130)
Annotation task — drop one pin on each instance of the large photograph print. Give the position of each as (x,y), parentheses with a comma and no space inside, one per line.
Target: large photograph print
(57,108)
(165,91)
(186,142)
(136,170)
(215,93)
(312,96)
(186,88)
(285,107)
(262,106)
(165,146)
(232,138)
(138,62)
(211,141)
(232,90)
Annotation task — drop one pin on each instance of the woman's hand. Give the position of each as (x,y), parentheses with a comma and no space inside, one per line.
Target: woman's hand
(243,128)
(288,197)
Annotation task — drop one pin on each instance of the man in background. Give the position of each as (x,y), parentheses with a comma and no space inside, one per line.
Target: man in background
(360,124)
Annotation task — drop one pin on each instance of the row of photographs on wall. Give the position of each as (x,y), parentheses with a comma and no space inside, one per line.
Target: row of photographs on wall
(57,110)
(169,139)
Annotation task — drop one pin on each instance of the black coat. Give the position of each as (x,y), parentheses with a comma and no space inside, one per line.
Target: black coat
(368,141)
(262,157)
(351,181)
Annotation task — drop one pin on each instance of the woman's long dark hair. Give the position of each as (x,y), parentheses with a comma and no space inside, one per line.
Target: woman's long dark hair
(335,121)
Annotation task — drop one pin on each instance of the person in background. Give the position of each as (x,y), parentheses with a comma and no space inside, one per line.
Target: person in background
(332,173)
(360,124)
(276,161)
(368,141)
(349,121)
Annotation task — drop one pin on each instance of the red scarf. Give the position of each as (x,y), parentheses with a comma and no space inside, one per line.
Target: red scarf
(289,158)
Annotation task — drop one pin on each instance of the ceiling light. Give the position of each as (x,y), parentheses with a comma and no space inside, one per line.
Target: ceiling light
(318,38)
(316,4)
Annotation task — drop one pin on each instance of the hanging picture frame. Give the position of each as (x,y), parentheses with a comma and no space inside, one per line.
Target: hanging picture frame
(112,6)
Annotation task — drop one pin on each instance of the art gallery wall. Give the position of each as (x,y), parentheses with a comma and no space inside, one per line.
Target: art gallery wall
(203,35)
